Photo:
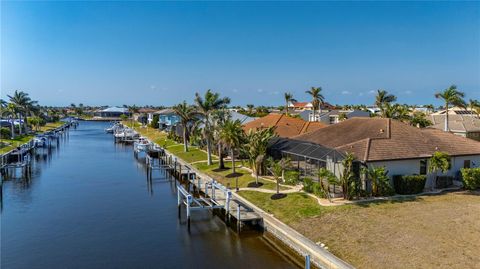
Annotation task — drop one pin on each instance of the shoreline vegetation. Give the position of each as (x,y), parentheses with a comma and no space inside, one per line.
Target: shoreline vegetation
(7,145)
(367,234)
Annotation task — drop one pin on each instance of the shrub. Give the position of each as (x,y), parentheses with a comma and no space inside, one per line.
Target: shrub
(471,178)
(5,133)
(409,184)
(291,177)
(154,123)
(308,185)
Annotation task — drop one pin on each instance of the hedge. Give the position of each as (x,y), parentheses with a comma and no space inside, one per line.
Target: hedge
(409,184)
(471,178)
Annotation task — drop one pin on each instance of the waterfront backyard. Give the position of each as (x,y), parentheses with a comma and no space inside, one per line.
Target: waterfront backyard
(437,231)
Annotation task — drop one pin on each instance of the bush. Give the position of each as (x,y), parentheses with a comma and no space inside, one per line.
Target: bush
(409,184)
(308,185)
(471,178)
(154,123)
(291,177)
(5,133)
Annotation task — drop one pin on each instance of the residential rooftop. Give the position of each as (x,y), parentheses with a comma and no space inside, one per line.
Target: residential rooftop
(379,139)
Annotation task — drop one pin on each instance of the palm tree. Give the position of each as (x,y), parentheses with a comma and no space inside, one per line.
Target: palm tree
(187,114)
(317,99)
(288,98)
(206,106)
(23,103)
(11,111)
(219,118)
(440,161)
(383,100)
(231,136)
(132,109)
(250,108)
(474,106)
(255,148)
(277,168)
(451,96)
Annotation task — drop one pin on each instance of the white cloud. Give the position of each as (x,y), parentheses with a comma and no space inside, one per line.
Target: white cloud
(346,92)
(408,92)
(234,90)
(260,90)
(360,94)
(371,92)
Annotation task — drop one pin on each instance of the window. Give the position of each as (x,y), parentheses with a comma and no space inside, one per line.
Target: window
(423,167)
(466,164)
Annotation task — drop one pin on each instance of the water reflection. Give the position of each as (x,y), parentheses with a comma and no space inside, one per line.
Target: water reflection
(89,204)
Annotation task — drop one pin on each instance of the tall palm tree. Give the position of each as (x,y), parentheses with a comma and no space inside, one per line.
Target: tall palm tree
(23,103)
(288,98)
(219,118)
(231,136)
(317,98)
(187,114)
(132,109)
(10,111)
(255,148)
(451,96)
(250,108)
(383,100)
(474,106)
(206,106)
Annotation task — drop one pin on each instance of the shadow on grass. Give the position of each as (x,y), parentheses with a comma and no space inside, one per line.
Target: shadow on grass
(392,200)
(278,196)
(234,175)
(219,170)
(255,185)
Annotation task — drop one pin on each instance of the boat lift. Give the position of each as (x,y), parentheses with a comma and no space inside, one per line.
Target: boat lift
(202,203)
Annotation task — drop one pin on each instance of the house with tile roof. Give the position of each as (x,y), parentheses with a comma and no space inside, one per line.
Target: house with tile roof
(459,124)
(400,148)
(285,126)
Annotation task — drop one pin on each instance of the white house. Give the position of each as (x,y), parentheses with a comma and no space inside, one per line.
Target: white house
(400,148)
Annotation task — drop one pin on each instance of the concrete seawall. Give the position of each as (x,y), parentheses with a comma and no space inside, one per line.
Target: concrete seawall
(289,237)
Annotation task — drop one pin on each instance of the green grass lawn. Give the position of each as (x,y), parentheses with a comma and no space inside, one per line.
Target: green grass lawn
(9,144)
(289,209)
(50,126)
(226,177)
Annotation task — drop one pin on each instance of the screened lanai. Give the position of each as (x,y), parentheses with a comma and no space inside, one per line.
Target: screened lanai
(307,158)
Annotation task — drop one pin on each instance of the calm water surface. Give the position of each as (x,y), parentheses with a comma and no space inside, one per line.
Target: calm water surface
(88,205)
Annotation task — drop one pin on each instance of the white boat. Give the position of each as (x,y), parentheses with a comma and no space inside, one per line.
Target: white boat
(126,134)
(116,126)
(40,141)
(142,144)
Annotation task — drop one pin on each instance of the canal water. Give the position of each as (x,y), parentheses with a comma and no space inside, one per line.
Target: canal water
(88,205)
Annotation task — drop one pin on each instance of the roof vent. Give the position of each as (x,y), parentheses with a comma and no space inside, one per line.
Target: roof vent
(436,148)
(382,131)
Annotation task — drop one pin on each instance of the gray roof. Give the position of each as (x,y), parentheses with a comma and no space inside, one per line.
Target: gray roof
(115,109)
(456,123)
(165,111)
(242,118)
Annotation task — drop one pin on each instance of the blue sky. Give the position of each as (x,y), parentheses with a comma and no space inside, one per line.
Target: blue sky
(161,53)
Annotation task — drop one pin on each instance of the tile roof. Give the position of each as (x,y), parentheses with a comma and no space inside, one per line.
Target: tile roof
(456,123)
(285,126)
(377,139)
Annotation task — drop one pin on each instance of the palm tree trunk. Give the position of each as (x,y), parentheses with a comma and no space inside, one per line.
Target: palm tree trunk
(20,124)
(446,117)
(12,128)
(286,108)
(221,164)
(278,186)
(185,142)
(233,160)
(209,153)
